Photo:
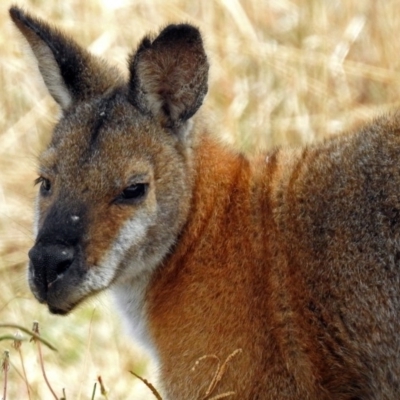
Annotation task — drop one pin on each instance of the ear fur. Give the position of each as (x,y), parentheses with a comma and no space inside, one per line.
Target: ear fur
(168,75)
(70,73)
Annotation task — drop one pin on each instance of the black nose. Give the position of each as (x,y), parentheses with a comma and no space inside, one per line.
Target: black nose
(50,261)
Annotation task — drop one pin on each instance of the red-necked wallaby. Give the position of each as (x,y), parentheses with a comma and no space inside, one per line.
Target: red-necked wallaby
(292,257)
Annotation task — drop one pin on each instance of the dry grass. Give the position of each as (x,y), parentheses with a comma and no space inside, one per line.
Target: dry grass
(281,72)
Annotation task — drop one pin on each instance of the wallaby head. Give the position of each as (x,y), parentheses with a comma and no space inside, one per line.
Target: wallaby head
(115,180)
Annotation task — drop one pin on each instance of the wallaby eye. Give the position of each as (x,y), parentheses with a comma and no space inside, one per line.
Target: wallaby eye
(133,193)
(45,185)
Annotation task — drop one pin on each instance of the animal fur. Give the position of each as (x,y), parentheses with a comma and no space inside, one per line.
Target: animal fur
(292,257)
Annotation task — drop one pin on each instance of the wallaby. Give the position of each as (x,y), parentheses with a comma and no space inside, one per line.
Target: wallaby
(286,265)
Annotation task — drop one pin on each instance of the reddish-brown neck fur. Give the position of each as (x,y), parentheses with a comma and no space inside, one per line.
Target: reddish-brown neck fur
(223,258)
(220,201)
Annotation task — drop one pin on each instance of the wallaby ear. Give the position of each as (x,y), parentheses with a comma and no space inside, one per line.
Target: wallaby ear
(70,72)
(169,75)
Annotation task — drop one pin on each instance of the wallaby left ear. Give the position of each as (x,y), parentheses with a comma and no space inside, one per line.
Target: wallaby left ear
(169,75)
(70,73)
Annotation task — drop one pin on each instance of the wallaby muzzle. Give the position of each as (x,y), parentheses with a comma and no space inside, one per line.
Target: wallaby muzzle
(55,260)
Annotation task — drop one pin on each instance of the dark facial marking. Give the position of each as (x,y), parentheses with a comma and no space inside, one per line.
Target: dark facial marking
(101,117)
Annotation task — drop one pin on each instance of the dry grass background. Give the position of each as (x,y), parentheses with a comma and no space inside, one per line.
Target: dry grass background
(282,72)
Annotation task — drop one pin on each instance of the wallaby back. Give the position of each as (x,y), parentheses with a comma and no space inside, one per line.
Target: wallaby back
(285,267)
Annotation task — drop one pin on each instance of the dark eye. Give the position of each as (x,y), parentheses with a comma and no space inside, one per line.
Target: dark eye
(133,193)
(45,185)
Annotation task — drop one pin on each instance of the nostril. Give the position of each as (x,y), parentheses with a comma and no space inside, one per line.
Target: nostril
(62,266)
(63,258)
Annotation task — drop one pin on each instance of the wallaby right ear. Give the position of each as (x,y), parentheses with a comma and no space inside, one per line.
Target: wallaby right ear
(70,72)
(169,75)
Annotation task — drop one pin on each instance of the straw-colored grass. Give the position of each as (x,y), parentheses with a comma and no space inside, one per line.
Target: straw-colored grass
(282,72)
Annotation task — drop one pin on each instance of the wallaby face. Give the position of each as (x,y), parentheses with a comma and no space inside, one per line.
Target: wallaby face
(96,216)
(114,181)
(275,277)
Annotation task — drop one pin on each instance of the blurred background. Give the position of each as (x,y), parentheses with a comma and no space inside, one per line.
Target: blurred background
(283,73)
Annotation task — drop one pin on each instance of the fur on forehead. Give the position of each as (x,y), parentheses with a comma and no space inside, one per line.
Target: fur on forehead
(111,116)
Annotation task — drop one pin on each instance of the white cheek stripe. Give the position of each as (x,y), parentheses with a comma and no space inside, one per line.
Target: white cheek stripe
(100,276)
(131,234)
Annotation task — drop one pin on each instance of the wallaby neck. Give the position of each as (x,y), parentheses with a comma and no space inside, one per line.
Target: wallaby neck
(180,301)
